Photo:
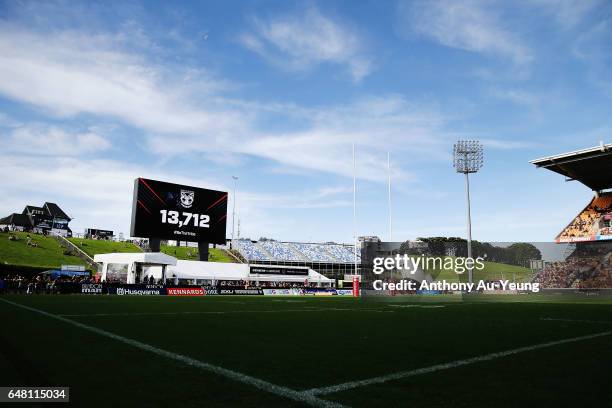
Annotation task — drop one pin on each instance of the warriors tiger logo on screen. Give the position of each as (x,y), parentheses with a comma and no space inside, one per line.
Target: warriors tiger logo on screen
(187,198)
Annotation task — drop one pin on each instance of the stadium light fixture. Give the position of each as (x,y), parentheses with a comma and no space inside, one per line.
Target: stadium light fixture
(468,158)
(354,210)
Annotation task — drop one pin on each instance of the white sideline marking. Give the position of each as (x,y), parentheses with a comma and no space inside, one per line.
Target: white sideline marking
(224,372)
(215,312)
(179,313)
(445,366)
(552,319)
(419,306)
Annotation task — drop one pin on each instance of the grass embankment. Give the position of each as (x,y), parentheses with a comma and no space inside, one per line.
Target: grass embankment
(47,254)
(491,271)
(191,254)
(93,246)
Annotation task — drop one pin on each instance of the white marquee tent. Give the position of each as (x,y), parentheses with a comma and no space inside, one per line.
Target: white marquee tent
(136,267)
(132,267)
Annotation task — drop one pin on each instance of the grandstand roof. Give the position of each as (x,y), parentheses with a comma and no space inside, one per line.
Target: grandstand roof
(20,220)
(588,166)
(55,211)
(30,208)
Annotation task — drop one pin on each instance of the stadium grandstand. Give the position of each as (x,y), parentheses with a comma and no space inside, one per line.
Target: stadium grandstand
(590,167)
(589,234)
(330,259)
(594,222)
(588,266)
(49,218)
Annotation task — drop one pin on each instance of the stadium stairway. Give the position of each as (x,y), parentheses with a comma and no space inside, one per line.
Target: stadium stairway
(235,255)
(76,251)
(331,255)
(305,258)
(297,251)
(265,251)
(299,255)
(569,250)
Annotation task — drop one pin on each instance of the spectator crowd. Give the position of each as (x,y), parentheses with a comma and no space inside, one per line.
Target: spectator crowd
(44,284)
(39,284)
(588,267)
(587,222)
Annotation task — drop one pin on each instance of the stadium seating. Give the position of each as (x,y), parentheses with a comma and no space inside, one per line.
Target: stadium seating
(314,252)
(589,266)
(585,223)
(343,253)
(295,252)
(250,251)
(279,250)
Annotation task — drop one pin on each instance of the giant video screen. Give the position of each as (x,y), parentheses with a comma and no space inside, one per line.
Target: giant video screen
(173,211)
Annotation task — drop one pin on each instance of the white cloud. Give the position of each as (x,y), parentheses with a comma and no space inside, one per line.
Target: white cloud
(592,47)
(324,197)
(7,121)
(468,25)
(42,140)
(567,13)
(593,44)
(300,42)
(93,191)
(517,96)
(501,144)
(68,73)
(98,193)
(375,124)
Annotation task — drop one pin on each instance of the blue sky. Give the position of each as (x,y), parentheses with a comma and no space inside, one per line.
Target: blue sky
(93,95)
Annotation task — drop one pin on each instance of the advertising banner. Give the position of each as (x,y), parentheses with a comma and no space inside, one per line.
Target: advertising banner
(277,270)
(282,292)
(185,291)
(91,288)
(319,291)
(237,291)
(211,290)
(139,290)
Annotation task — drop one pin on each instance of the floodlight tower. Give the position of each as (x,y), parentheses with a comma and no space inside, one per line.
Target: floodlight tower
(468,158)
(355,241)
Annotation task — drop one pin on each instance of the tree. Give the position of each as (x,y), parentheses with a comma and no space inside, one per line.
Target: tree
(521,252)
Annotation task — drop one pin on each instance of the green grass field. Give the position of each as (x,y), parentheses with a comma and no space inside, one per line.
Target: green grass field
(491,271)
(93,246)
(291,351)
(48,254)
(191,254)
